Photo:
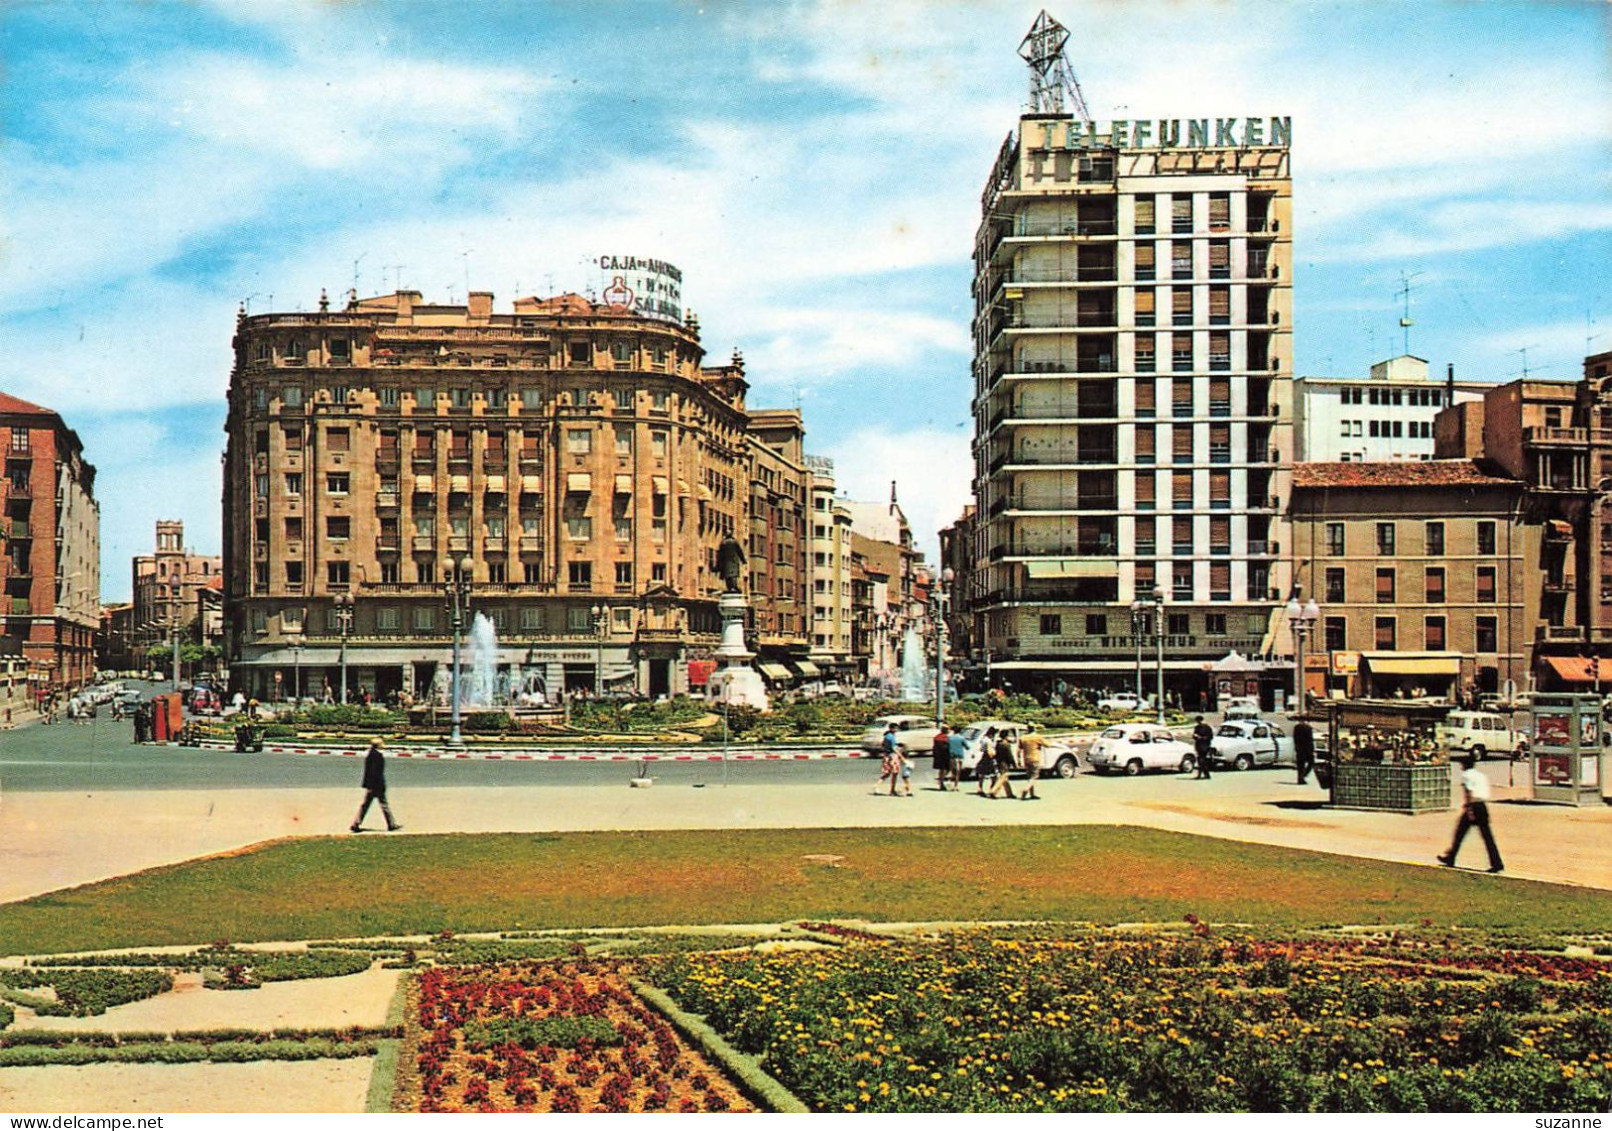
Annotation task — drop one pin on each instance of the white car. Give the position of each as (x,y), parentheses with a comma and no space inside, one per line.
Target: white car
(1480,733)
(1245,743)
(915,734)
(1124,701)
(1134,747)
(1056,757)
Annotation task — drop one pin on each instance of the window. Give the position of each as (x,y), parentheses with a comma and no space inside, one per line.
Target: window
(1181,260)
(660,399)
(657,443)
(1051,624)
(1219,211)
(1096,624)
(580,351)
(1145,260)
(425,618)
(337,483)
(577,619)
(1486,585)
(1433,634)
(425,526)
(293,483)
(496,573)
(1335,539)
(293,530)
(339,439)
(389,573)
(1385,539)
(1181,352)
(1178,624)
(657,572)
(1181,212)
(293,574)
(387,618)
(532,573)
(1488,634)
(624,439)
(1435,538)
(338,526)
(1144,215)
(580,576)
(1144,445)
(1384,634)
(620,351)
(459,397)
(337,573)
(1335,586)
(1336,634)
(1145,309)
(425,572)
(578,527)
(623,575)
(579,441)
(291,396)
(292,436)
(532,618)
(1435,585)
(1385,587)
(1214,624)
(1181,306)
(1486,538)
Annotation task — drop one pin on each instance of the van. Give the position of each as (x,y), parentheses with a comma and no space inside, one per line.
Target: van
(1480,733)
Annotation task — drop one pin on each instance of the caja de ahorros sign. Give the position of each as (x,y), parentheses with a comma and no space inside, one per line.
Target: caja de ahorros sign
(649,288)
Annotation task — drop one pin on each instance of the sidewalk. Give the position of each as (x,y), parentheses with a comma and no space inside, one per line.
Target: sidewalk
(55,840)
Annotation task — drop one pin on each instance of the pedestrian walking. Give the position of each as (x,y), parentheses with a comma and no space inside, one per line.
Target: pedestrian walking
(142,723)
(903,773)
(985,770)
(1004,766)
(959,750)
(1474,811)
(888,767)
(1304,749)
(1203,744)
(942,754)
(375,786)
(1030,753)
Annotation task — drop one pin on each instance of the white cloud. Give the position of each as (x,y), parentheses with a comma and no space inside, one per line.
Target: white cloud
(932,469)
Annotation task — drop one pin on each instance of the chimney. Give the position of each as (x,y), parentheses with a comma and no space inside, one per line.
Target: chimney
(1449,383)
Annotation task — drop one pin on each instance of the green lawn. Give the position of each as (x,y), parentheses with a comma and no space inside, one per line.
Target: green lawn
(352,886)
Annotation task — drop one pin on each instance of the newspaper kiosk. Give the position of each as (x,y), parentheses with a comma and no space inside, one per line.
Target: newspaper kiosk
(1566,751)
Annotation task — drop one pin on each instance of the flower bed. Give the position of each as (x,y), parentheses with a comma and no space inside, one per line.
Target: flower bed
(1163,1023)
(548,1037)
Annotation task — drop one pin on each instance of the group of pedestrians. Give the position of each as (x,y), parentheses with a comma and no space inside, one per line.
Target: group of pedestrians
(997,763)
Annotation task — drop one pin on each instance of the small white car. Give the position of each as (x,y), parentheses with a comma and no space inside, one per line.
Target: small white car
(1057,757)
(1244,744)
(1124,701)
(915,734)
(1480,733)
(1134,747)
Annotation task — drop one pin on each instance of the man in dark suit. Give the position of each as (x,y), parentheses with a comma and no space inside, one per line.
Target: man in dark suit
(1304,749)
(1203,741)
(375,786)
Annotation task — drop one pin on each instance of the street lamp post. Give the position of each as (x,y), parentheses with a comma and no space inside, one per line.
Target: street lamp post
(601,616)
(941,597)
(1139,608)
(344,620)
(1158,636)
(296,672)
(457,588)
(1301,618)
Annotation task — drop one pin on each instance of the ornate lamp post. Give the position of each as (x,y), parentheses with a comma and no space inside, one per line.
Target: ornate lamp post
(941,599)
(456,586)
(1158,636)
(1139,611)
(296,671)
(1301,618)
(344,621)
(601,617)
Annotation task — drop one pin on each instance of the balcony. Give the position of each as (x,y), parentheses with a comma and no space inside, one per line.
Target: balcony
(459,457)
(1558,437)
(423,543)
(1560,633)
(1145,547)
(1550,585)
(1219,408)
(20,530)
(531,459)
(531,544)
(495,460)
(386,500)
(1265,550)
(388,544)
(494,544)
(424,461)
(16,490)
(387,461)
(458,544)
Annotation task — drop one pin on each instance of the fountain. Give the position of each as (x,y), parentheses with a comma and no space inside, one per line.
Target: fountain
(914,672)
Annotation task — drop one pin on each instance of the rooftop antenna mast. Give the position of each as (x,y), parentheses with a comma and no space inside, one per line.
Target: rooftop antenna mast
(1406,321)
(1053,86)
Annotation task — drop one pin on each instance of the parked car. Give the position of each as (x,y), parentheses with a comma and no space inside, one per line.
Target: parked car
(915,734)
(1480,733)
(1241,707)
(1125,701)
(1134,747)
(1057,757)
(1243,744)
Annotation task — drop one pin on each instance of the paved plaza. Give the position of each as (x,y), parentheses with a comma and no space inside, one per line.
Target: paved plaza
(106,824)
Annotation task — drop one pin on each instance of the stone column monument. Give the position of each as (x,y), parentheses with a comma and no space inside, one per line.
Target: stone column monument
(735,681)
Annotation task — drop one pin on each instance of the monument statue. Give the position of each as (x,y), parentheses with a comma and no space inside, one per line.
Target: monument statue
(730,560)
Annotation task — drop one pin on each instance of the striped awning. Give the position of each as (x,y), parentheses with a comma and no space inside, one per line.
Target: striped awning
(532,484)
(495,484)
(578,482)
(459,484)
(424,484)
(623,484)
(775,671)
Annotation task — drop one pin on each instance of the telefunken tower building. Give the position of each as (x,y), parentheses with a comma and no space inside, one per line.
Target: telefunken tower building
(1133,407)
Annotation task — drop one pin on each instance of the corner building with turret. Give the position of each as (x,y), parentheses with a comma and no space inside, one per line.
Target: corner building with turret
(1133,408)
(577,460)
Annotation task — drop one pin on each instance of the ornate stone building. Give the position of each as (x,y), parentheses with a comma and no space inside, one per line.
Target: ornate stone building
(576,461)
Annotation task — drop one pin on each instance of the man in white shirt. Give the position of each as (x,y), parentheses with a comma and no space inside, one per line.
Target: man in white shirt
(1475,811)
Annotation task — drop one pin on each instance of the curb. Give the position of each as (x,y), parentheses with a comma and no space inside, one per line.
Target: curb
(539,754)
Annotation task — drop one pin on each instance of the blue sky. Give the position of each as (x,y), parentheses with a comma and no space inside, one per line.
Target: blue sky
(814,169)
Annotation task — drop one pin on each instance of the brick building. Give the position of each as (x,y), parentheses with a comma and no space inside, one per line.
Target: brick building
(166,584)
(575,458)
(779,545)
(51,567)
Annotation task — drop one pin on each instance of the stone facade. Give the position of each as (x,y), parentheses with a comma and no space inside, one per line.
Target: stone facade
(166,584)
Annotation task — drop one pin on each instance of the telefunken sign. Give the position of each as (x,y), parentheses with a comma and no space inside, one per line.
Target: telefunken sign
(650,288)
(1191,133)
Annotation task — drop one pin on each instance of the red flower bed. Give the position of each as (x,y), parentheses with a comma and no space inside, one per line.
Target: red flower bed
(542,1037)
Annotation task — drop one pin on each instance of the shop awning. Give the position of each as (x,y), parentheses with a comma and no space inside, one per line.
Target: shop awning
(658,483)
(578,482)
(495,485)
(705,493)
(424,484)
(775,671)
(532,484)
(1402,663)
(807,669)
(623,484)
(1576,669)
(1055,568)
(682,488)
(459,484)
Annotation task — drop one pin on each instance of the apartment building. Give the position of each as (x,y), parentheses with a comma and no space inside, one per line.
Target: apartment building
(1132,394)
(832,650)
(574,461)
(166,584)
(779,548)
(1387,415)
(1423,573)
(51,567)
